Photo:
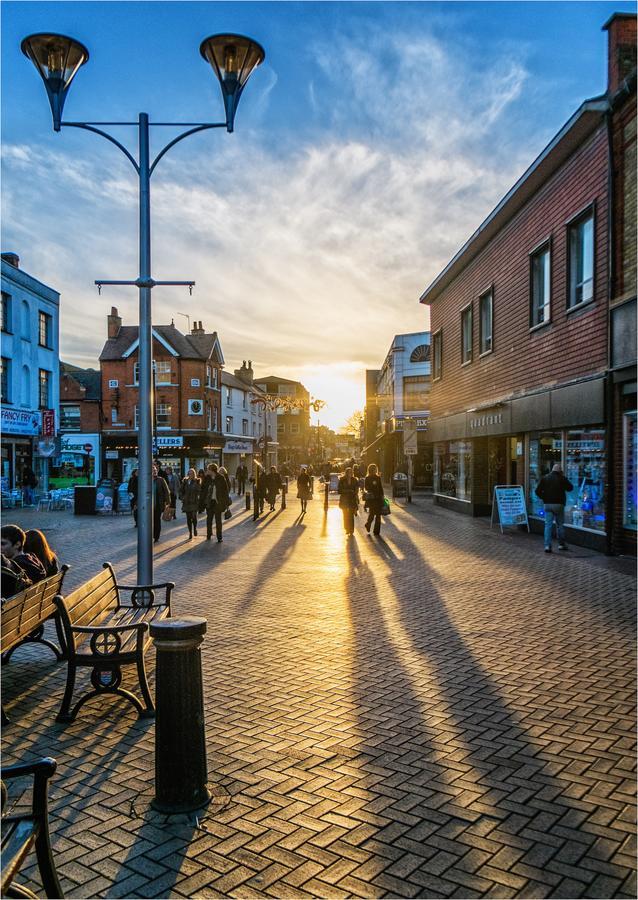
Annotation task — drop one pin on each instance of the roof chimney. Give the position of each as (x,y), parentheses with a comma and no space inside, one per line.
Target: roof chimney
(12,258)
(245,374)
(621,48)
(114,323)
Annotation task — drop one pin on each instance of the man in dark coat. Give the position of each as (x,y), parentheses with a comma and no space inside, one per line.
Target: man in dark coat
(552,489)
(241,476)
(161,499)
(132,489)
(216,500)
(273,484)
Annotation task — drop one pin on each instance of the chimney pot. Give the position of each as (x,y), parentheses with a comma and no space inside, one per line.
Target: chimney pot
(621,48)
(114,323)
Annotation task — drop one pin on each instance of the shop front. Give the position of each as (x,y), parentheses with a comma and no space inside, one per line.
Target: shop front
(237,452)
(517,442)
(180,452)
(20,430)
(76,461)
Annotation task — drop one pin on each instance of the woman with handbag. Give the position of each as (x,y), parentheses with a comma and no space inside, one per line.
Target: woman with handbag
(374,498)
(304,488)
(348,499)
(190,493)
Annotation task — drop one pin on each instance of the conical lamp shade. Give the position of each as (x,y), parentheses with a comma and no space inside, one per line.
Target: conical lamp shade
(57,58)
(233,58)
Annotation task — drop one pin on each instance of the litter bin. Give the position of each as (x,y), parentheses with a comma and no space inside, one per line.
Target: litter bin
(104,496)
(84,500)
(399,484)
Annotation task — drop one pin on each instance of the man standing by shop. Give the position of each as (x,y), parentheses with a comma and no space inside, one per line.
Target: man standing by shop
(161,499)
(552,491)
(241,476)
(216,499)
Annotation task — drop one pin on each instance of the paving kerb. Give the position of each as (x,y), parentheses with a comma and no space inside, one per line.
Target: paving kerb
(446,712)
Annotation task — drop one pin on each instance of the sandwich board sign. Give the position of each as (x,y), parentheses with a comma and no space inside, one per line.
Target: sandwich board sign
(508,503)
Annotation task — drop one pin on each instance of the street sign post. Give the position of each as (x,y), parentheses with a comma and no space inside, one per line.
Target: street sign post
(409,449)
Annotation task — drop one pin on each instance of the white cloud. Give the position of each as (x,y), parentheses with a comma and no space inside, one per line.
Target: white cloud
(308,255)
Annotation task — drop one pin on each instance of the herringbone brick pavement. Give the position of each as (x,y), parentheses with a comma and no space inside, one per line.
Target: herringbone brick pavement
(447,712)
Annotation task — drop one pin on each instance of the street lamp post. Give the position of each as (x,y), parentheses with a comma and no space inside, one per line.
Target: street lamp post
(58,59)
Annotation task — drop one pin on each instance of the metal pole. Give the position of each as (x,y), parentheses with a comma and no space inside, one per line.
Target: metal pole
(409,479)
(145,357)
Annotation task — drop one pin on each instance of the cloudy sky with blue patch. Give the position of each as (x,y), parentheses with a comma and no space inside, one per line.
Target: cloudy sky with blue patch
(372,142)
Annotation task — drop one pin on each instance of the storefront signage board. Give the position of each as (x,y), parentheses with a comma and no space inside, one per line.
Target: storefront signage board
(508,503)
(20,421)
(238,447)
(410,451)
(48,423)
(173,441)
(409,436)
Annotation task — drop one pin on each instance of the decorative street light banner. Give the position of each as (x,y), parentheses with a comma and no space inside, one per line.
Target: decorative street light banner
(20,421)
(509,503)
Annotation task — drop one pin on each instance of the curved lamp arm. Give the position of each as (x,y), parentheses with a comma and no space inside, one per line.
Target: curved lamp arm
(106,135)
(181,137)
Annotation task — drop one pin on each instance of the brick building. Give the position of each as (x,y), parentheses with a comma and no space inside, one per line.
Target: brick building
(519,322)
(293,426)
(80,427)
(187,408)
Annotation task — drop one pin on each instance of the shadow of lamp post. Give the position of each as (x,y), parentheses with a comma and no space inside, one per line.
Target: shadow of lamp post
(58,59)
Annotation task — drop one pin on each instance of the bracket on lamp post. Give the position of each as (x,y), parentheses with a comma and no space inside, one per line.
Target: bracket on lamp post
(146,283)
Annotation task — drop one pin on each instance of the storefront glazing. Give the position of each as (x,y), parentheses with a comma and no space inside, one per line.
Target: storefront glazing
(630,479)
(453,469)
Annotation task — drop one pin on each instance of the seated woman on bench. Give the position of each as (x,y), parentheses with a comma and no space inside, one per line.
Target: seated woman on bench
(12,540)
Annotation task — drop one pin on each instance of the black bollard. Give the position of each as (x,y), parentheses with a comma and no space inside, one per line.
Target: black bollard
(255,504)
(180,740)
(284,491)
(325,498)
(247,500)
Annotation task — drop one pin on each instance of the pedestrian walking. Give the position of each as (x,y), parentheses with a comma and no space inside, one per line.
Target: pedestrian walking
(552,489)
(161,499)
(348,490)
(132,488)
(29,484)
(37,545)
(273,485)
(241,477)
(224,472)
(373,498)
(304,488)
(174,485)
(189,493)
(216,500)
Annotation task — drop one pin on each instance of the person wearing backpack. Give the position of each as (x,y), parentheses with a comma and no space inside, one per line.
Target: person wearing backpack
(552,490)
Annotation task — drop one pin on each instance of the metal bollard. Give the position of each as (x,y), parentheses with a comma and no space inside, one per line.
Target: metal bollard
(247,500)
(284,491)
(326,492)
(180,740)
(255,504)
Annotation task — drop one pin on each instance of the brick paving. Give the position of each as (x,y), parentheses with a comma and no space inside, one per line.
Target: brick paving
(445,713)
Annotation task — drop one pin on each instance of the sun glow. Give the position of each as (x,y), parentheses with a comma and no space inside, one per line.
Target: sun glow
(341,385)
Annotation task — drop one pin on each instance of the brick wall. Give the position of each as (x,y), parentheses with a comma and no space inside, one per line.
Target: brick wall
(90,415)
(572,345)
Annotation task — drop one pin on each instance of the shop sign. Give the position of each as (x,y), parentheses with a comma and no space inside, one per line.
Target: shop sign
(509,503)
(111,454)
(482,421)
(409,437)
(238,447)
(20,421)
(173,441)
(48,423)
(79,443)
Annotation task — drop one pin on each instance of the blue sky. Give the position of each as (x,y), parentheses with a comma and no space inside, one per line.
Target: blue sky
(368,147)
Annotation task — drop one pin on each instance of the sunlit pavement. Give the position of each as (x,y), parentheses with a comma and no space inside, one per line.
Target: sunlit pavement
(444,712)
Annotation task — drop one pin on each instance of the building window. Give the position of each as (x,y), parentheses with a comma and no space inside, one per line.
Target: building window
(437,353)
(630,456)
(294,427)
(214,377)
(114,415)
(453,469)
(5,367)
(486,322)
(229,396)
(26,327)
(586,469)
(420,354)
(208,377)
(466,335)
(281,428)
(415,392)
(162,369)
(581,261)
(254,429)
(163,417)
(6,312)
(244,426)
(70,418)
(44,393)
(244,402)
(26,386)
(215,419)
(540,286)
(44,329)
(229,424)
(136,420)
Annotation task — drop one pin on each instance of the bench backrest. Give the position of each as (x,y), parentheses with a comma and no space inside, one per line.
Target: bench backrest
(23,613)
(88,604)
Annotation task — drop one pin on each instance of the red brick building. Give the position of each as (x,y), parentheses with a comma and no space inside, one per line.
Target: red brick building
(519,322)
(80,425)
(187,407)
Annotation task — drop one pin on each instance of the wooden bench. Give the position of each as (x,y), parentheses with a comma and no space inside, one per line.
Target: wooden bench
(104,634)
(20,831)
(24,615)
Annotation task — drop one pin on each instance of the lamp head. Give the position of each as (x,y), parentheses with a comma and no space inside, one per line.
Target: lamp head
(57,59)
(233,58)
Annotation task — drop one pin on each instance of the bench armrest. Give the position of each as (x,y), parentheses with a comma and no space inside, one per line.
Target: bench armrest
(96,629)
(46,767)
(167,586)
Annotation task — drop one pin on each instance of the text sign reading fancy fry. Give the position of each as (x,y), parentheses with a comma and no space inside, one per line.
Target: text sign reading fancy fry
(509,502)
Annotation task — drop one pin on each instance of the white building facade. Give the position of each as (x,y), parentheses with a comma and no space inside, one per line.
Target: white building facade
(30,374)
(245,423)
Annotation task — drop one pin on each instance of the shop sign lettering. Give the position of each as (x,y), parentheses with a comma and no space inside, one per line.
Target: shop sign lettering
(491,419)
(20,421)
(169,441)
